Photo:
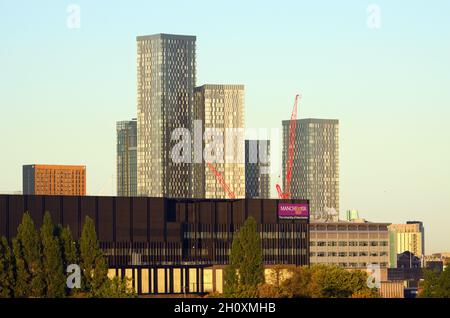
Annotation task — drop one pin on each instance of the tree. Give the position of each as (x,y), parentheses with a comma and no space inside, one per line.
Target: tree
(92,262)
(435,284)
(55,282)
(245,270)
(299,284)
(27,252)
(116,288)
(6,270)
(325,281)
(68,245)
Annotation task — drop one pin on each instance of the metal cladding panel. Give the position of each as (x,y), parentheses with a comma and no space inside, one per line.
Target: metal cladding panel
(238,212)
(3,216)
(35,206)
(254,209)
(206,212)
(105,219)
(157,219)
(222,212)
(123,219)
(270,211)
(181,215)
(88,208)
(71,216)
(16,210)
(52,205)
(192,214)
(173,232)
(139,219)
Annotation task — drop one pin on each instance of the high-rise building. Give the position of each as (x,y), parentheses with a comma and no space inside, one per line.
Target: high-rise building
(315,171)
(221,111)
(257,169)
(54,180)
(127,158)
(165,88)
(406,237)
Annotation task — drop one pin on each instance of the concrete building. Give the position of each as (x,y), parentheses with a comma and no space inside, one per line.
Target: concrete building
(127,158)
(54,180)
(220,111)
(315,172)
(349,244)
(406,237)
(257,169)
(166,73)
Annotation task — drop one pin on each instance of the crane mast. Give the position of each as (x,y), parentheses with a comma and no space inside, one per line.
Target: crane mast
(292,127)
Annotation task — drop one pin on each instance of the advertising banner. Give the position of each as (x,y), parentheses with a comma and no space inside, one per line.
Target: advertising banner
(293,211)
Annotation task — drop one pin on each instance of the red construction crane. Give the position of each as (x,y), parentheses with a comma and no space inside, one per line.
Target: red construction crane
(293,124)
(222,182)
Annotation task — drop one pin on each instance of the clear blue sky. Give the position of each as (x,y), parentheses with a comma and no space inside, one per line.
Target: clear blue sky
(62,90)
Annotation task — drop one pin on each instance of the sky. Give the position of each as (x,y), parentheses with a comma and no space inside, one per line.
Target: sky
(62,89)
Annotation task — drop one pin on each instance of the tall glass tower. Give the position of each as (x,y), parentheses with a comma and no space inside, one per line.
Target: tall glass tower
(165,86)
(315,171)
(127,158)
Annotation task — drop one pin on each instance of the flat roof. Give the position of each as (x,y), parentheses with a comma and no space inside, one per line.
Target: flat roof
(166,36)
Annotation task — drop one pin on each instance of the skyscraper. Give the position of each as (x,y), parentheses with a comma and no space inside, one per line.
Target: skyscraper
(315,171)
(54,180)
(257,169)
(165,87)
(221,111)
(127,158)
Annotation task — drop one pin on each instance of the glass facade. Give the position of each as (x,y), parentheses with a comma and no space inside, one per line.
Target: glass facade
(257,169)
(126,158)
(165,88)
(221,110)
(315,171)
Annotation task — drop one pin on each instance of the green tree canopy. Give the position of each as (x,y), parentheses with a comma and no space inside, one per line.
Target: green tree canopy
(55,281)
(435,284)
(245,270)
(7,280)
(325,281)
(28,252)
(92,262)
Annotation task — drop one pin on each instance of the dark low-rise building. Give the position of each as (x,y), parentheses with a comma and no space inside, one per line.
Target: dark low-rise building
(169,245)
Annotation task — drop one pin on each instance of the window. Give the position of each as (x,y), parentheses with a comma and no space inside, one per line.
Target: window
(363,243)
(342,254)
(342,243)
(321,243)
(332,243)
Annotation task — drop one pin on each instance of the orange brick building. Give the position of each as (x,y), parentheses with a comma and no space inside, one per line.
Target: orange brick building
(54,180)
